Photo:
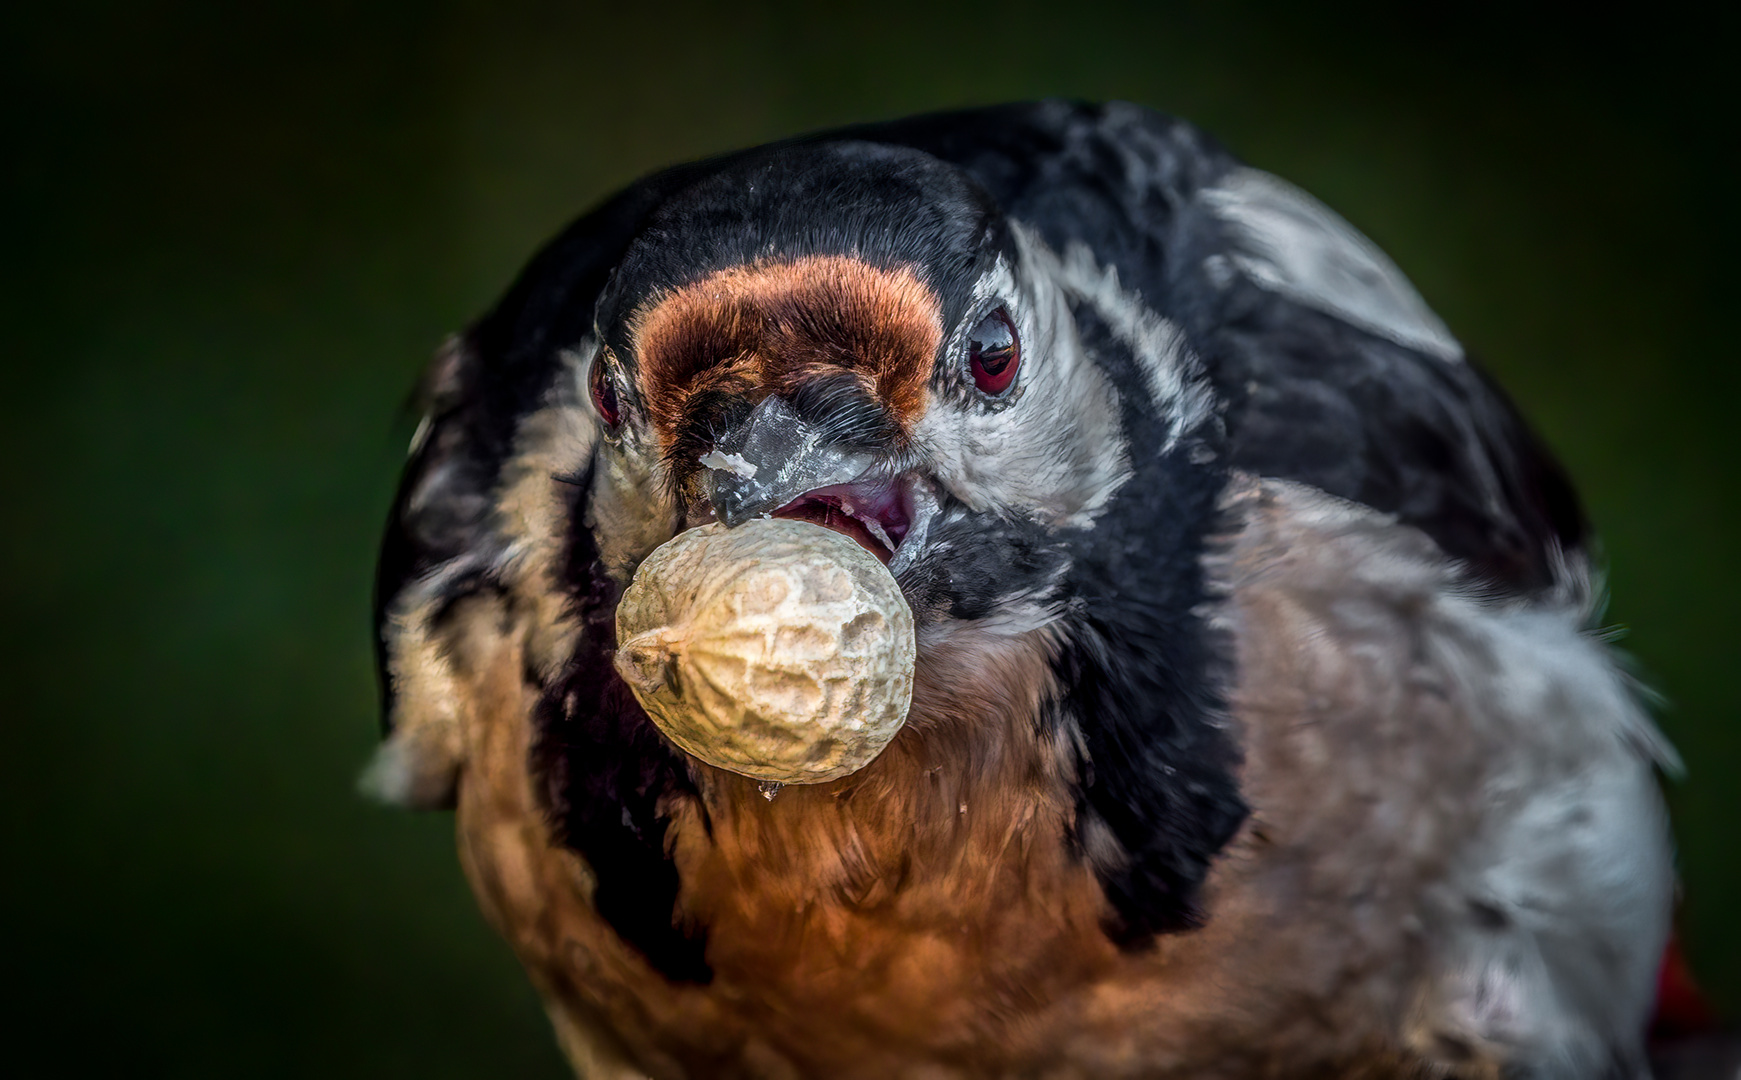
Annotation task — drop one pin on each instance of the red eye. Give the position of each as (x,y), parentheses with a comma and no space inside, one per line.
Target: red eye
(994,353)
(604,394)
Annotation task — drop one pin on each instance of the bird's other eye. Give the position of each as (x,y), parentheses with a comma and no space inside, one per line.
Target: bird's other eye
(604,394)
(994,353)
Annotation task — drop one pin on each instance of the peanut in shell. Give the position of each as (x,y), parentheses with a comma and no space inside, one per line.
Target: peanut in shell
(779,649)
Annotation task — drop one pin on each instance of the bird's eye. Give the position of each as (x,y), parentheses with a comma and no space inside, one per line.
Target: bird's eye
(604,394)
(994,353)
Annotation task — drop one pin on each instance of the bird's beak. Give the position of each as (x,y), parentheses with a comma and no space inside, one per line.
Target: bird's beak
(771,459)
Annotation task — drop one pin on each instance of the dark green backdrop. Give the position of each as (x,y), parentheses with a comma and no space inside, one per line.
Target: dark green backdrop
(232,237)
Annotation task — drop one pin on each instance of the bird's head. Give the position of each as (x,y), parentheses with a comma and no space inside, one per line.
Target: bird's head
(855,336)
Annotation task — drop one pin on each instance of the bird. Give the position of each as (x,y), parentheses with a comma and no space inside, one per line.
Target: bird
(1262,724)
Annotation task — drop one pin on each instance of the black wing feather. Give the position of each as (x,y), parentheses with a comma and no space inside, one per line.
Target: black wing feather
(1307,396)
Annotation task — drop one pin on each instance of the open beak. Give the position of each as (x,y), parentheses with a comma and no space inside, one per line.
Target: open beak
(776,464)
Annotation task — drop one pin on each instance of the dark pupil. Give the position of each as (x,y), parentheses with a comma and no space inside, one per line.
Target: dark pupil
(993,345)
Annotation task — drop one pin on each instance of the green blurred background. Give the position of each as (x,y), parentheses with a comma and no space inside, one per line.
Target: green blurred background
(233,236)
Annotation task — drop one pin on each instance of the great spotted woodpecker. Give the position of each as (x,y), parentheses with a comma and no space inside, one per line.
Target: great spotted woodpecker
(1257,726)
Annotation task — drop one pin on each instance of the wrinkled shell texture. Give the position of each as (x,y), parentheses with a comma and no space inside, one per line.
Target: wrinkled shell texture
(779,649)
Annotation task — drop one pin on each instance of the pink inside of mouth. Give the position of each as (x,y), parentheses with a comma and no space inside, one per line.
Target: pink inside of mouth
(869,513)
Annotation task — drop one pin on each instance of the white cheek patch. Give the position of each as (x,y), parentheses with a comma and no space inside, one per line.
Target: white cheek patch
(1056,452)
(1292,244)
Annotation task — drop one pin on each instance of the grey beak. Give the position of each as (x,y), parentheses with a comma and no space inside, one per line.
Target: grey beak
(772,459)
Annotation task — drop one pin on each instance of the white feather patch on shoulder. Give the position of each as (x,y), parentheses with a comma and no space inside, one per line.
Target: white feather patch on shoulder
(1292,244)
(552,446)
(418,765)
(1507,757)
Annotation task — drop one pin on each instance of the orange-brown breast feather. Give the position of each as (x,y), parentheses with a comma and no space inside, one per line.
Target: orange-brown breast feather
(931,907)
(901,901)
